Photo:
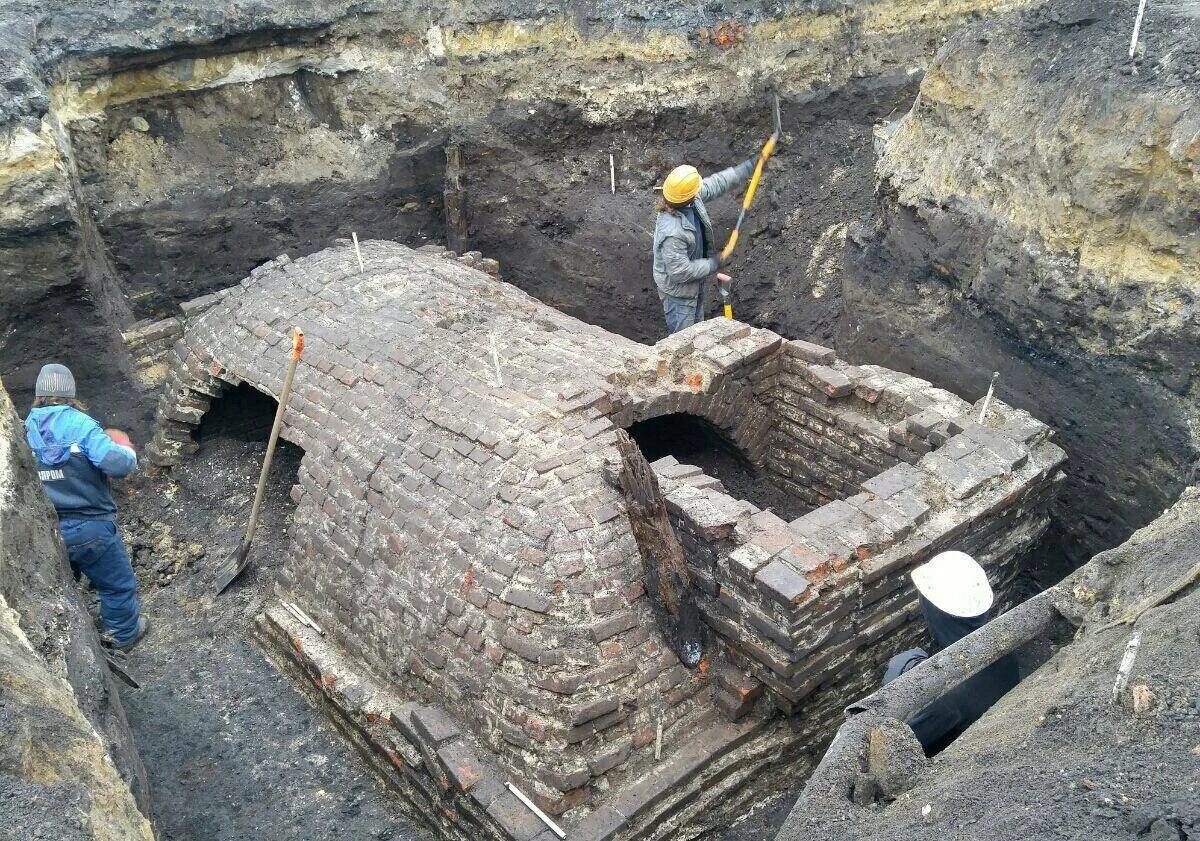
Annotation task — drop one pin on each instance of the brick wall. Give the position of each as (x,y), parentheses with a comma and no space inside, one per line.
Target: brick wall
(456,539)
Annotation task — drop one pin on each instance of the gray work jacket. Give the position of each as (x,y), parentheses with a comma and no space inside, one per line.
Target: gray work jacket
(675,272)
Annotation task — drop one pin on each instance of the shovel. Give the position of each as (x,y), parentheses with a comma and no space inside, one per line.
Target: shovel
(234,565)
(767,150)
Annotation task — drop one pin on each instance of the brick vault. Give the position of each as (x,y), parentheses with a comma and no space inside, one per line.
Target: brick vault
(481,598)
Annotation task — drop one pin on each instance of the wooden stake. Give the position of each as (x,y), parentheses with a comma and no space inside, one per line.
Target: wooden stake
(361,268)
(1137,26)
(658,742)
(496,360)
(533,808)
(1154,600)
(612,170)
(1130,655)
(987,401)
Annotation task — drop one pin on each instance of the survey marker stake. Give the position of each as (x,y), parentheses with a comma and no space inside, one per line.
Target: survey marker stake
(1137,28)
(1131,651)
(240,559)
(520,795)
(987,401)
(358,253)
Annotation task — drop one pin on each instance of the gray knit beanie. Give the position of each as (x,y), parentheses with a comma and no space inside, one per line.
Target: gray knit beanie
(54,380)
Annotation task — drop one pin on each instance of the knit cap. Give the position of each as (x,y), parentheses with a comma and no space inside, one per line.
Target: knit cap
(54,380)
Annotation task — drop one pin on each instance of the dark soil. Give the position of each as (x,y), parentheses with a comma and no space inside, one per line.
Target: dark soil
(66,327)
(538,201)
(232,750)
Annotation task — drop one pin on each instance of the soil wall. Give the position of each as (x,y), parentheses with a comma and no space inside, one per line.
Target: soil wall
(1038,216)
(152,153)
(67,759)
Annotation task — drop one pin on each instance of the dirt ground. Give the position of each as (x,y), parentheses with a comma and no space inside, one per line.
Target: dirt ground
(533,204)
(232,750)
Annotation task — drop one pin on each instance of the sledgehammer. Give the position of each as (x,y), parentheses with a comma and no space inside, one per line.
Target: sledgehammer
(724,281)
(240,559)
(767,150)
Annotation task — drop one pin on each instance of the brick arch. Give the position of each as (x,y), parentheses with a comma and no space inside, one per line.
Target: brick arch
(734,410)
(187,398)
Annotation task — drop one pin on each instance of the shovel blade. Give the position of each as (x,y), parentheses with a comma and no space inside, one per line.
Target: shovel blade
(121,673)
(232,567)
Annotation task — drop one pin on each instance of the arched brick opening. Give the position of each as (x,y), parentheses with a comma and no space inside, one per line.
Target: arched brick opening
(739,415)
(240,411)
(239,421)
(230,440)
(696,443)
(684,435)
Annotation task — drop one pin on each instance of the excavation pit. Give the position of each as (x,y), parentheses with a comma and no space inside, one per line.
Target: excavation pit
(462,544)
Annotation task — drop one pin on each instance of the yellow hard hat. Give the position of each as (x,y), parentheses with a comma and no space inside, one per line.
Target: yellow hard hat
(682,185)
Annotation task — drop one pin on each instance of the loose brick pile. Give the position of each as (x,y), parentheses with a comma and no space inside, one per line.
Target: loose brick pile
(459,537)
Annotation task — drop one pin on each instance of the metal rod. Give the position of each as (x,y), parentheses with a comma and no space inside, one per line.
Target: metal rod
(987,401)
(304,618)
(533,808)
(290,608)
(312,624)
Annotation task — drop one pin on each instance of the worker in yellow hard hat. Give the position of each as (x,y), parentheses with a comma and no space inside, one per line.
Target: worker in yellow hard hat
(684,241)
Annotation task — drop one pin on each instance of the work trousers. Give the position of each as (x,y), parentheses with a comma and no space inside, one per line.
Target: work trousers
(682,313)
(96,549)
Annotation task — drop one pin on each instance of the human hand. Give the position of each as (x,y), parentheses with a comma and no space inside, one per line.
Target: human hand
(723,278)
(120,438)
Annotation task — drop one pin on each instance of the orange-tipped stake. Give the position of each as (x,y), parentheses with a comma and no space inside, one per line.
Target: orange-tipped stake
(240,559)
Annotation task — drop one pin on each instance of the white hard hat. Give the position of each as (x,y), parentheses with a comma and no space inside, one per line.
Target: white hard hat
(954,583)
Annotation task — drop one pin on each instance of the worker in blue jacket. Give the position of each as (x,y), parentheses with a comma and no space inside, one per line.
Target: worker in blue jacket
(76,458)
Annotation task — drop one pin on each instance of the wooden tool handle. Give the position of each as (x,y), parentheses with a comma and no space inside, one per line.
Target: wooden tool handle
(767,150)
(297,348)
